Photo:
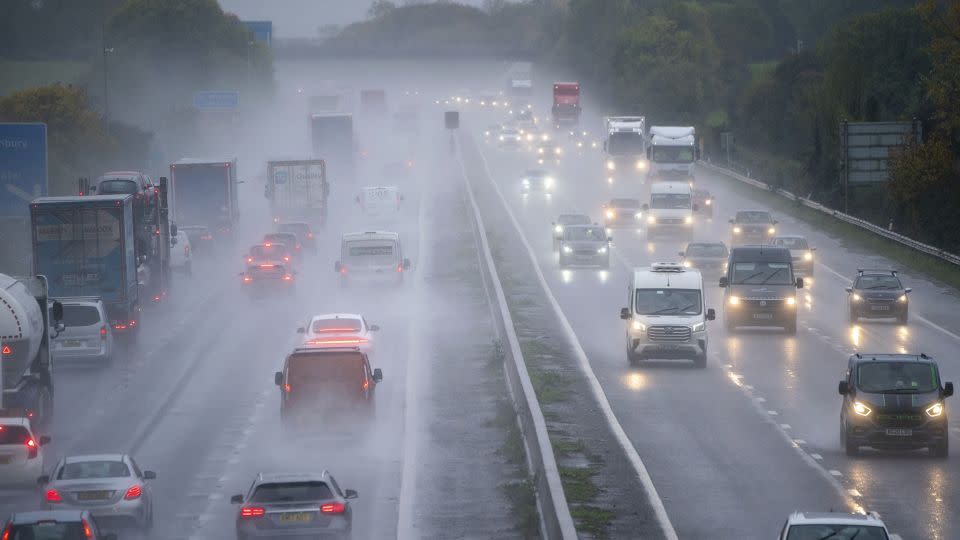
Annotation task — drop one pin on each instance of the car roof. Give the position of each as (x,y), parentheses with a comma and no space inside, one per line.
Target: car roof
(94,457)
(47,515)
(891,357)
(327,316)
(265,477)
(761,253)
(15,420)
(835,518)
(371,235)
(685,278)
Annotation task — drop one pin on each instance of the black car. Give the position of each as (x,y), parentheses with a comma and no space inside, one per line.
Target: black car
(752,227)
(894,401)
(760,288)
(54,525)
(321,383)
(878,294)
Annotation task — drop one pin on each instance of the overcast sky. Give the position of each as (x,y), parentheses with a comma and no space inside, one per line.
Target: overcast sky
(300,18)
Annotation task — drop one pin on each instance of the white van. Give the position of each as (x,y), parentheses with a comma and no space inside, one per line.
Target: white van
(666,317)
(671,209)
(373,255)
(380,201)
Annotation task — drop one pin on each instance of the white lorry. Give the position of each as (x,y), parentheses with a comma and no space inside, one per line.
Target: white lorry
(625,147)
(672,152)
(298,190)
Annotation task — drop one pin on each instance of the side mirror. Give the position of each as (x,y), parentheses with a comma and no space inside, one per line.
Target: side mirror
(301,330)
(350,494)
(645,207)
(696,207)
(908,289)
(173,241)
(731,221)
(377,375)
(843,388)
(625,314)
(711,315)
(149,475)
(680,253)
(406,264)
(57,311)
(278,378)
(724,282)
(374,328)
(848,289)
(173,229)
(43,480)
(44,440)
(799,282)
(947,389)
(336,266)
(236,499)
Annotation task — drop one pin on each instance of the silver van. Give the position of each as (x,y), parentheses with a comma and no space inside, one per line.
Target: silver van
(87,335)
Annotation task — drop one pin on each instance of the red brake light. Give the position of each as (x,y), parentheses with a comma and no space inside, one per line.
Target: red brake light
(6,351)
(133,322)
(134,492)
(338,341)
(87,531)
(103,332)
(267,266)
(252,512)
(6,531)
(53,496)
(267,244)
(399,268)
(333,508)
(247,279)
(309,235)
(32,450)
(343,269)
(249,259)
(287,388)
(366,384)
(286,258)
(287,277)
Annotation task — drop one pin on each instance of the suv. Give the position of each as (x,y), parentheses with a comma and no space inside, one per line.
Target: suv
(760,288)
(622,213)
(305,505)
(330,379)
(87,335)
(752,227)
(54,525)
(21,450)
(565,220)
(894,401)
(878,294)
(815,525)
(666,317)
(585,245)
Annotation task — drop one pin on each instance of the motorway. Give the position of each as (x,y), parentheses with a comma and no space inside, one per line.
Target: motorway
(733,449)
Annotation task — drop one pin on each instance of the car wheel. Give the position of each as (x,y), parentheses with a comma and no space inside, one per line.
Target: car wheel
(903,318)
(700,362)
(791,328)
(849,445)
(854,317)
(633,359)
(941,450)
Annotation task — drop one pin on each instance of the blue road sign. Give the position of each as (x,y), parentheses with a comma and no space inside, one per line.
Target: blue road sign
(262,31)
(216,100)
(23,167)
(280,177)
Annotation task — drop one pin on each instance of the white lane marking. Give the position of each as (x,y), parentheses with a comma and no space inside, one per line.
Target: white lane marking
(628,448)
(773,413)
(784,426)
(854,493)
(835,472)
(817,457)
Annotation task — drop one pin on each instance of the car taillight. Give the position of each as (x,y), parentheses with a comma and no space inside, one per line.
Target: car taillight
(7,531)
(6,351)
(87,531)
(287,277)
(103,332)
(286,259)
(333,508)
(53,496)
(119,326)
(365,385)
(249,259)
(134,492)
(206,237)
(133,322)
(186,250)
(309,235)
(343,269)
(399,268)
(252,512)
(32,450)
(338,341)
(287,388)
(247,279)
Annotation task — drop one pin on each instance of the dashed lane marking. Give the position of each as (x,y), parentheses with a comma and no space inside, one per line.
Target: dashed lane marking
(835,472)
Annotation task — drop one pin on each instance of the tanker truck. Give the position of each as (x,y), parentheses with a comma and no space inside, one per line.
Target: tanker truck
(27,372)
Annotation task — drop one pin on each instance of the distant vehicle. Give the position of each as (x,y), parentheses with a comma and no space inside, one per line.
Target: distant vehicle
(26,328)
(109,486)
(308,505)
(672,152)
(373,100)
(833,525)
(878,294)
(123,183)
(268,278)
(537,180)
(492,131)
(894,401)
(581,140)
(584,245)
(708,257)
(667,316)
(548,151)
(204,192)
(371,256)
(800,250)
(622,213)
(287,238)
(180,256)
(304,234)
(298,190)
(380,202)
(334,141)
(339,330)
(670,210)
(54,525)
(21,450)
(760,288)
(523,117)
(563,220)
(324,381)
(87,335)
(704,201)
(269,252)
(509,136)
(201,239)
(566,104)
(625,147)
(752,227)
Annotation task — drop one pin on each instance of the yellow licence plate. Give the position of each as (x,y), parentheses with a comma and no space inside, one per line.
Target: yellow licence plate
(295,517)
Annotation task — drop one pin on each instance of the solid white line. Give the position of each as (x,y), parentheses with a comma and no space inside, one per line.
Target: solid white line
(835,472)
(601,398)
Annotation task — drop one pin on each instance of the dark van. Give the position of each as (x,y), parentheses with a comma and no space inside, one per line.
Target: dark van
(761,289)
(333,382)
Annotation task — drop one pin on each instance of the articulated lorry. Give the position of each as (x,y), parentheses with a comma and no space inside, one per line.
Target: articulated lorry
(625,146)
(298,190)
(672,152)
(86,246)
(204,193)
(27,317)
(566,104)
(333,139)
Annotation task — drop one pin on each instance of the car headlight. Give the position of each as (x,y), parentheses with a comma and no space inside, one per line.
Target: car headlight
(688,220)
(771,230)
(602,250)
(558,229)
(861,409)
(558,151)
(529,136)
(486,133)
(857,297)
(935,410)
(638,326)
(539,150)
(708,202)
(733,300)
(544,137)
(699,327)
(611,214)
(791,301)
(736,230)
(501,137)
(903,298)
(808,256)
(548,182)
(526,182)
(611,165)
(652,220)
(638,215)
(567,249)
(642,165)
(687,264)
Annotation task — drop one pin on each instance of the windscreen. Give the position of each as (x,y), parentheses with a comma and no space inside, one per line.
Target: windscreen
(336,325)
(114,187)
(326,367)
(880,281)
(903,377)
(706,250)
(762,273)
(75,315)
(791,243)
(753,217)
(625,203)
(93,469)
(265,252)
(668,302)
(13,434)
(622,144)
(670,201)
(291,492)
(835,532)
(672,154)
(375,252)
(49,530)
(585,234)
(201,195)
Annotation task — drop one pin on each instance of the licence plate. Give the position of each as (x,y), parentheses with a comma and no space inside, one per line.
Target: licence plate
(899,432)
(880,308)
(763,316)
(295,517)
(669,347)
(92,495)
(72,343)
(5,459)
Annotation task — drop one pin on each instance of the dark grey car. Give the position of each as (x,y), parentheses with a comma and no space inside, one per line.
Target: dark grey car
(584,245)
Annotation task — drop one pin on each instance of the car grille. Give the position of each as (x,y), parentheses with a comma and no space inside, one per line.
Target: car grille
(764,303)
(668,334)
(905,420)
(669,221)
(585,252)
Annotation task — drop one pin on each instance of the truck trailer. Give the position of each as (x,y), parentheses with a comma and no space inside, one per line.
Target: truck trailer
(672,152)
(204,193)
(298,190)
(333,140)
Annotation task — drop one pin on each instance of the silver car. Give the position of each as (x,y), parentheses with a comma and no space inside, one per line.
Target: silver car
(87,335)
(584,245)
(110,486)
(301,505)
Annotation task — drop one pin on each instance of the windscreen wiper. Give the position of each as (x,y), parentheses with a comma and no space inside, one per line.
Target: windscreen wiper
(764,282)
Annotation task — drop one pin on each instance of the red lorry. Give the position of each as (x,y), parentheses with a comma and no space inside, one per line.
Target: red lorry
(566,104)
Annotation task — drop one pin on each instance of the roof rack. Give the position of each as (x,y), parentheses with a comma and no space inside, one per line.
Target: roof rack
(861,271)
(301,348)
(666,267)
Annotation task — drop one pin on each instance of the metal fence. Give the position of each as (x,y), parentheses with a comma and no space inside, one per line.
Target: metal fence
(865,225)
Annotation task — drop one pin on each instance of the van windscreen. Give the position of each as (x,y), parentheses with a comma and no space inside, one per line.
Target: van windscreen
(670,200)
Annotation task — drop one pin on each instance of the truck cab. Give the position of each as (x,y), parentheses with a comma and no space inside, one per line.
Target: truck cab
(566,104)
(670,210)
(625,147)
(672,153)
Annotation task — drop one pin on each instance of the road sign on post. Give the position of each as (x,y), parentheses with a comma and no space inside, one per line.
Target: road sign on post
(865,150)
(23,167)
(262,31)
(216,100)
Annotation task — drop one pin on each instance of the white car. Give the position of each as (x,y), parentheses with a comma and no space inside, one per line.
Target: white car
(816,525)
(180,254)
(88,335)
(339,330)
(21,451)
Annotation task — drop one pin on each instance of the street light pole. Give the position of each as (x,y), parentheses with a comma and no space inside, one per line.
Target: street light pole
(106,95)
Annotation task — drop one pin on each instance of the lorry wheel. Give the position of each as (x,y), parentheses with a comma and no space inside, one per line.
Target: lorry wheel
(941,450)
(633,359)
(700,361)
